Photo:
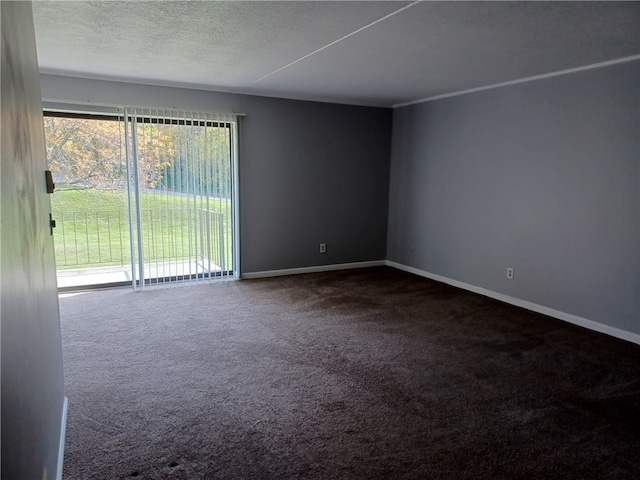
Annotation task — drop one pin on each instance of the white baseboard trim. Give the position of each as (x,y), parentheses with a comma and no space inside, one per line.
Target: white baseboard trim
(567,317)
(63,434)
(319,268)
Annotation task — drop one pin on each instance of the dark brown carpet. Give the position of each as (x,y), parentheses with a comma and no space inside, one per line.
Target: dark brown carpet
(361,374)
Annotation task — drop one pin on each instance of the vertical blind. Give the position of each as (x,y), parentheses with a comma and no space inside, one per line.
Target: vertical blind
(181,178)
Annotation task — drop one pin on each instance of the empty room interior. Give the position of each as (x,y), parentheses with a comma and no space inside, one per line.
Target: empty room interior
(317,239)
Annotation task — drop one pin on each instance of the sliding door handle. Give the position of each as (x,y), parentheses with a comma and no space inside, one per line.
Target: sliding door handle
(50,185)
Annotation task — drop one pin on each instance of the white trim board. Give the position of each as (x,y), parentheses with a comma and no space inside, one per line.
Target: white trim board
(63,434)
(319,268)
(520,80)
(567,317)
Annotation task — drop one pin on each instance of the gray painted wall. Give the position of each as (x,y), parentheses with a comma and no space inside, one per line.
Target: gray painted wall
(542,177)
(309,172)
(32,383)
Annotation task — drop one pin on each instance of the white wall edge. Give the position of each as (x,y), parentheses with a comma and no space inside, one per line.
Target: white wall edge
(316,269)
(534,307)
(63,434)
(521,80)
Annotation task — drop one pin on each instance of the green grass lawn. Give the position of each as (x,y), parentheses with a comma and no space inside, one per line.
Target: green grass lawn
(93,228)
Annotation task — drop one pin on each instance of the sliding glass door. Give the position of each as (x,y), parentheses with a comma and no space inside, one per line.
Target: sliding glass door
(145,196)
(87,158)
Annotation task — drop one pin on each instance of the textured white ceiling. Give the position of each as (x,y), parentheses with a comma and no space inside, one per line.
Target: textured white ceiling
(371,53)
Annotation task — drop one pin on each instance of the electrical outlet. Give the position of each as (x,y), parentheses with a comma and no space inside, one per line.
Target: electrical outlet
(510,273)
(323,248)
